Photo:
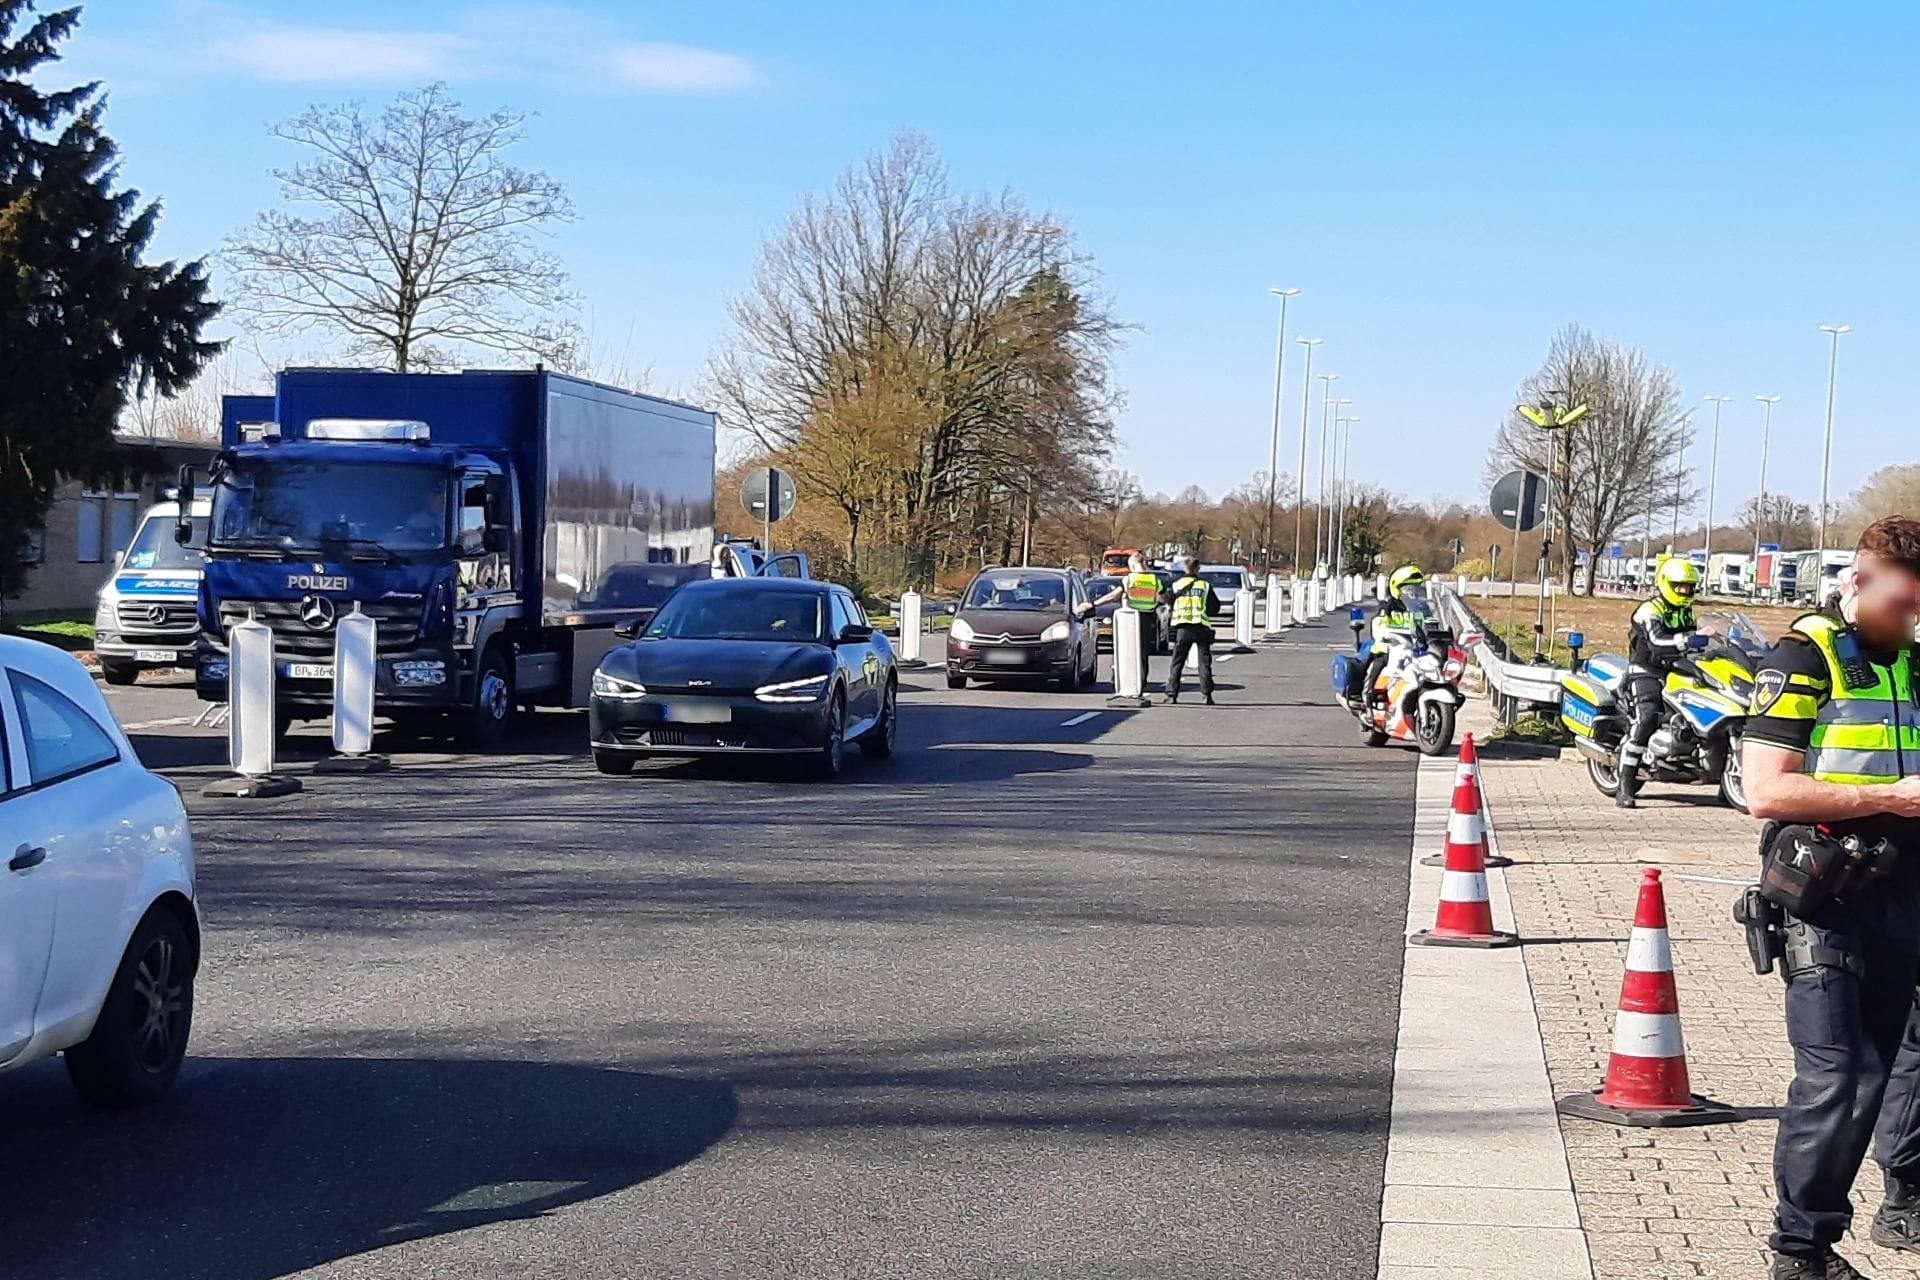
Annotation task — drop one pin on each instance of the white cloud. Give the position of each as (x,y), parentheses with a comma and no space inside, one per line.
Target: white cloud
(497,43)
(315,55)
(679,68)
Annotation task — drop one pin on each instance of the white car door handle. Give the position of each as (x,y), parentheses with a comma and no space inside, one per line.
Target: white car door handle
(25,857)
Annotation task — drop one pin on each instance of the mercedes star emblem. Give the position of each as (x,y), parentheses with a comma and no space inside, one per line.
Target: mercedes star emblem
(156,614)
(316,612)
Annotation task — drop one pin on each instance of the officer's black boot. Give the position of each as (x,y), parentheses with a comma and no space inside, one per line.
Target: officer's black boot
(1831,1267)
(1625,786)
(1897,1225)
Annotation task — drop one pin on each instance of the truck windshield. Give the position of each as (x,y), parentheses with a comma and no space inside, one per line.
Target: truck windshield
(153,546)
(304,505)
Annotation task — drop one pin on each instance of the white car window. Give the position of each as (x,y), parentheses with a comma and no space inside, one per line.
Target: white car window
(62,740)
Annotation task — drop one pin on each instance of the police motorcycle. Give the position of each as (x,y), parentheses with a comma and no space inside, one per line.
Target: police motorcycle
(1416,696)
(1704,711)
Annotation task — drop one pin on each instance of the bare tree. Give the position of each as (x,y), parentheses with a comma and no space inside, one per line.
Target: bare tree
(192,413)
(969,320)
(408,234)
(1618,465)
(1778,519)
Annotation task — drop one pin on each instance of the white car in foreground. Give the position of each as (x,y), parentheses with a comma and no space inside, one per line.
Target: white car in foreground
(99,935)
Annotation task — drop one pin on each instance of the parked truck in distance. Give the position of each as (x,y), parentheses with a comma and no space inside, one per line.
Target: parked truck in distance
(497,526)
(1816,575)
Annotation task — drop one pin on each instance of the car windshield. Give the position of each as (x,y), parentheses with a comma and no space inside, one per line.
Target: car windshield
(305,505)
(1017,591)
(1100,586)
(1222,577)
(739,615)
(153,546)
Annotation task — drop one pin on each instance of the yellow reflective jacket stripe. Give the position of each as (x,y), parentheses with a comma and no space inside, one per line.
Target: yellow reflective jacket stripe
(1190,602)
(1860,734)
(1143,592)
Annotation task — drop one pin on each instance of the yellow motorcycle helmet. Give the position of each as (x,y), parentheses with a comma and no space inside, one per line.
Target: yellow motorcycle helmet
(1677,581)
(1407,575)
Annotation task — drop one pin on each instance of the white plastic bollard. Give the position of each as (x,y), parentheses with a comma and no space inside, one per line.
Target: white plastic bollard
(1460,587)
(1274,620)
(1128,688)
(1380,586)
(356,643)
(910,624)
(1243,622)
(250,719)
(1297,601)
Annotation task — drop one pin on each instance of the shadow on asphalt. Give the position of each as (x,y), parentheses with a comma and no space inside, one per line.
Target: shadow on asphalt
(259,1167)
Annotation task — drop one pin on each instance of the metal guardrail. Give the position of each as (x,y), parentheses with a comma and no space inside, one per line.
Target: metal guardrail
(1513,685)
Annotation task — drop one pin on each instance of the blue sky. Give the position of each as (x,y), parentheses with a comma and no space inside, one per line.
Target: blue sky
(1446,184)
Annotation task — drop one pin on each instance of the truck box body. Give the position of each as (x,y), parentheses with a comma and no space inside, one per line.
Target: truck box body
(467,512)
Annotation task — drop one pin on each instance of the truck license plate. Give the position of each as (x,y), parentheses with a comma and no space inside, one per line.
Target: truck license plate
(153,655)
(309,671)
(697,713)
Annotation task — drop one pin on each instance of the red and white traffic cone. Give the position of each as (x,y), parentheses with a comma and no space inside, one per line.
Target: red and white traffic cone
(1647,1084)
(1464,917)
(1468,769)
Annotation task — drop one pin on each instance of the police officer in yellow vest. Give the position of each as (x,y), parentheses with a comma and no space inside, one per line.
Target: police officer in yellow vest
(1140,590)
(1193,603)
(1832,761)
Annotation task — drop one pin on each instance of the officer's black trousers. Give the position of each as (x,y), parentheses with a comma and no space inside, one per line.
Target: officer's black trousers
(1856,1055)
(1646,688)
(1184,639)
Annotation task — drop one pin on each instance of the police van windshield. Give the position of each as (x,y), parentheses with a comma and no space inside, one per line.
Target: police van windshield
(310,505)
(153,546)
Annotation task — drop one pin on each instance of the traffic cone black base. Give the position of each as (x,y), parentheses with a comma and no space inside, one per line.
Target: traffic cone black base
(1587,1106)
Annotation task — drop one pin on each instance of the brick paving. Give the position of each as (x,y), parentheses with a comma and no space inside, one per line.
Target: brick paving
(1674,1202)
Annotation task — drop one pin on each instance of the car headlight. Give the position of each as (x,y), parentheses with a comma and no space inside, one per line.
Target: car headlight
(807,690)
(1058,631)
(961,631)
(606,686)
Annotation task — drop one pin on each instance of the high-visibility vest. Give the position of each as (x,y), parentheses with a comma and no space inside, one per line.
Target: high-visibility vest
(1143,592)
(1190,602)
(1868,729)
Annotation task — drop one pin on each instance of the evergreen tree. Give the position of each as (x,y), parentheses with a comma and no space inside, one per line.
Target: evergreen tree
(83,320)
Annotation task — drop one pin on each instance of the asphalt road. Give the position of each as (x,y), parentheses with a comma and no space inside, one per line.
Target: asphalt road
(1114,998)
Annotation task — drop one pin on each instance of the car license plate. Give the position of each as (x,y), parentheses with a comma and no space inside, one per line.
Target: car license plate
(1006,658)
(309,671)
(697,713)
(153,655)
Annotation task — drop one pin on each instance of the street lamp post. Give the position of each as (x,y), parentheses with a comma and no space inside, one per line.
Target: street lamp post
(1760,512)
(1680,483)
(1300,494)
(1326,422)
(1344,451)
(1713,474)
(1273,452)
(1833,331)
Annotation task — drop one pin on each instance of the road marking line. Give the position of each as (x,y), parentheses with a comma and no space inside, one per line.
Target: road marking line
(1082,718)
(158,724)
(1226,657)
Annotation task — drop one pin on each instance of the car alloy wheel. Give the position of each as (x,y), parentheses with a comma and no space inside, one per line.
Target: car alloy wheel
(833,754)
(160,1003)
(879,740)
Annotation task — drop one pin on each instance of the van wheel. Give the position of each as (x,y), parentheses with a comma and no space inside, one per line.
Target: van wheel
(119,671)
(138,1042)
(485,720)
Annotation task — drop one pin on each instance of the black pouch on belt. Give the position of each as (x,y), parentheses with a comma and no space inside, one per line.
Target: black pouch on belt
(1802,869)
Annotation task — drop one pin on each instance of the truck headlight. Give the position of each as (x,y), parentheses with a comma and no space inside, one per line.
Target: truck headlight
(423,672)
(807,690)
(1058,631)
(606,686)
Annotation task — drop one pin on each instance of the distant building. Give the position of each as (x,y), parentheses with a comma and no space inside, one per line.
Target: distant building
(87,529)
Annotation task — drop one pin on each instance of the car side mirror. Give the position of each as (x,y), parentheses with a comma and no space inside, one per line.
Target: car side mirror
(628,630)
(855,633)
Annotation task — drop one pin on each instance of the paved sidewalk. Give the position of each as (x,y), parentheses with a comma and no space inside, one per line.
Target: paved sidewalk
(1674,1202)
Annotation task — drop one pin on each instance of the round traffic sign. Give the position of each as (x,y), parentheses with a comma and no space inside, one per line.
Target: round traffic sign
(1516,500)
(768,494)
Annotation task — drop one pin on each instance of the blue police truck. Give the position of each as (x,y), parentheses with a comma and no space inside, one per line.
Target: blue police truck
(497,526)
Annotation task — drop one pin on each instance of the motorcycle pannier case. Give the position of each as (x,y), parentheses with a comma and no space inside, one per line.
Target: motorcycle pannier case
(1349,669)
(1587,694)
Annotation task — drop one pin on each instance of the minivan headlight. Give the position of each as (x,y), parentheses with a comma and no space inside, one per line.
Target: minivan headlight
(606,686)
(960,631)
(1058,631)
(806,690)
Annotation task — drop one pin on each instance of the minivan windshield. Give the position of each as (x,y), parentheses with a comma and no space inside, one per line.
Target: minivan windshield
(739,614)
(1015,590)
(1223,577)
(304,505)
(153,546)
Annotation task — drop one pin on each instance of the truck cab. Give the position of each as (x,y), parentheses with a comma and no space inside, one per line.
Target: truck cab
(146,616)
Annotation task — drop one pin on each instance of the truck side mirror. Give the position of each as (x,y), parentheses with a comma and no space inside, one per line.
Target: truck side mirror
(496,540)
(183,523)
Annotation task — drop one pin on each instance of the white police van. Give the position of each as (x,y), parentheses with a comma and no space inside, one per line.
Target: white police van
(148,613)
